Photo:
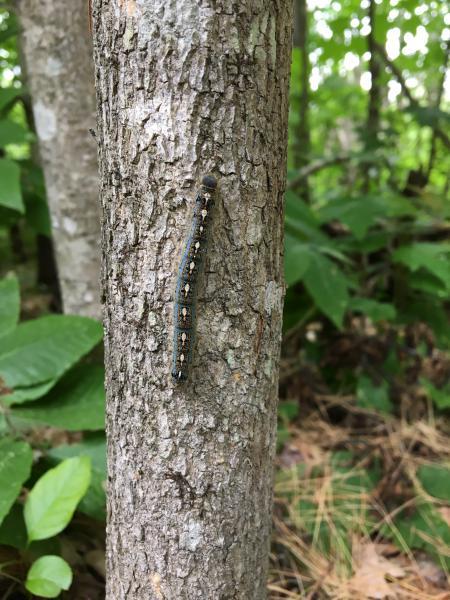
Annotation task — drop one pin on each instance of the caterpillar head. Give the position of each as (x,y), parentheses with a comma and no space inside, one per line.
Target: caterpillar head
(209,182)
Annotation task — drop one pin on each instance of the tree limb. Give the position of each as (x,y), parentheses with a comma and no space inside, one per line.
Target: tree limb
(406,91)
(315,166)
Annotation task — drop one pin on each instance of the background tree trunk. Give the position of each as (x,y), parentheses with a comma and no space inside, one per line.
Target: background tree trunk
(184,89)
(301,149)
(58,57)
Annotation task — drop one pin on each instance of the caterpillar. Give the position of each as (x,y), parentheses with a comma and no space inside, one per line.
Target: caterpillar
(189,271)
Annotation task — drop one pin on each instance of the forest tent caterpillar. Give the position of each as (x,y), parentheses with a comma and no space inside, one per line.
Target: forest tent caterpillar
(188,277)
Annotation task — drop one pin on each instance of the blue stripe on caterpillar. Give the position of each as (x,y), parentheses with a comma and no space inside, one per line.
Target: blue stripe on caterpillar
(188,277)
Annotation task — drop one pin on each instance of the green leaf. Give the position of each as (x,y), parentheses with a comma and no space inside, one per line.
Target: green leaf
(12,530)
(431,311)
(15,466)
(7,95)
(288,410)
(52,501)
(9,304)
(12,133)
(328,287)
(298,210)
(296,259)
(77,402)
(48,576)
(33,189)
(10,191)
(300,221)
(42,350)
(26,394)
(441,397)
(373,397)
(428,256)
(94,502)
(435,479)
(377,311)
(427,282)
(429,115)
(357,213)
(424,529)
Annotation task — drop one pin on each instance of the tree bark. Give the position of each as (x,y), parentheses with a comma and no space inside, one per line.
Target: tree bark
(302,142)
(186,88)
(58,55)
(374,105)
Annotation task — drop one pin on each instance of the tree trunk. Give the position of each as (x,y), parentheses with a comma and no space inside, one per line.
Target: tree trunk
(374,106)
(302,140)
(187,88)
(58,57)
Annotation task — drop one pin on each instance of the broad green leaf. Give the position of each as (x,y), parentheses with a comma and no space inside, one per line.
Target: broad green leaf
(377,311)
(372,396)
(43,349)
(300,221)
(427,282)
(298,210)
(328,287)
(12,530)
(296,259)
(357,213)
(15,465)
(12,133)
(26,394)
(48,576)
(37,214)
(433,257)
(9,304)
(52,501)
(7,95)
(76,402)
(10,191)
(94,502)
(435,479)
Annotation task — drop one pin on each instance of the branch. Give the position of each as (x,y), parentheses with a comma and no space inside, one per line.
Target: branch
(399,76)
(313,167)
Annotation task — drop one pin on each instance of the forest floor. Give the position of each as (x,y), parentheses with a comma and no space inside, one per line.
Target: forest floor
(361,495)
(360,507)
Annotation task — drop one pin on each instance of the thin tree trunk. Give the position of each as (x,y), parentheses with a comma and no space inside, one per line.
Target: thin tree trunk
(374,106)
(302,143)
(373,112)
(47,273)
(185,88)
(58,57)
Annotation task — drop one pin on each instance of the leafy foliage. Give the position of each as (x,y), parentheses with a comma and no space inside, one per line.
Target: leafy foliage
(52,501)
(48,576)
(10,305)
(38,352)
(15,465)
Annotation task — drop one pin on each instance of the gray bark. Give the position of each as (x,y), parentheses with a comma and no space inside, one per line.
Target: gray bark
(186,88)
(57,50)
